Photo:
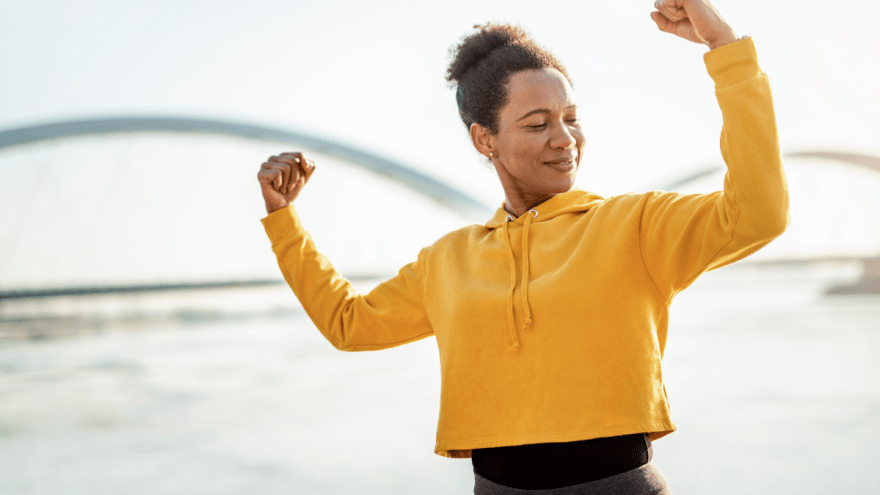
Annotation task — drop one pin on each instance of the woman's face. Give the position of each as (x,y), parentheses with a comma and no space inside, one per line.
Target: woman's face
(539,143)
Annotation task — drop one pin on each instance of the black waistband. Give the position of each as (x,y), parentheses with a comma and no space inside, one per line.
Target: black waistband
(554,465)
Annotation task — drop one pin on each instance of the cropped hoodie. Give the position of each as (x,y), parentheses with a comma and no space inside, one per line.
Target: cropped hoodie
(551,327)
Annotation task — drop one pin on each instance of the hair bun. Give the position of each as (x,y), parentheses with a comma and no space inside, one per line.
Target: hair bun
(477,46)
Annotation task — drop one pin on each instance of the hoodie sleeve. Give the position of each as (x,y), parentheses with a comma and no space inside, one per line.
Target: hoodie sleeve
(390,315)
(681,236)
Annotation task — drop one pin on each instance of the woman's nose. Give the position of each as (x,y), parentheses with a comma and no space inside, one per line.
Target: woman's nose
(562,137)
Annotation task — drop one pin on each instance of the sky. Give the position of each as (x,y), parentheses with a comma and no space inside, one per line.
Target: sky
(372,76)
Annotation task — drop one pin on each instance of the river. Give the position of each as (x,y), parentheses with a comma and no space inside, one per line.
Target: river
(774,386)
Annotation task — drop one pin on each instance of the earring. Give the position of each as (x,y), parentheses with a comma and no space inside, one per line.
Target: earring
(490,154)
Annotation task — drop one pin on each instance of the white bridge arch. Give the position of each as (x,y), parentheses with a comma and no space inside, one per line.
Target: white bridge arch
(416,182)
(391,169)
(68,230)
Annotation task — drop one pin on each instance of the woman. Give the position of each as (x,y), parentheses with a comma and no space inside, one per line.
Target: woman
(551,318)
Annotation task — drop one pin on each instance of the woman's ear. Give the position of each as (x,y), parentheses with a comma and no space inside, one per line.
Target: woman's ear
(483,140)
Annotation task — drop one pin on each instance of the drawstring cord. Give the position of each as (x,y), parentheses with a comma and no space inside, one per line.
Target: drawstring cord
(512,264)
(525,279)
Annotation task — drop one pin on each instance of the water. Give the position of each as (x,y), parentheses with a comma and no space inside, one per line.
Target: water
(773,385)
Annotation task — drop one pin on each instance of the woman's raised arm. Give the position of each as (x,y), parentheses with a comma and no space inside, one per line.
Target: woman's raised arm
(390,315)
(682,236)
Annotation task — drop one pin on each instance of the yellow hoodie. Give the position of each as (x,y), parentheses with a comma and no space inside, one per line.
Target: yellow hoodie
(551,327)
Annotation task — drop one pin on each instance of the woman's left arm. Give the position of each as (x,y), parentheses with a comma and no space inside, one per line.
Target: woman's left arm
(682,236)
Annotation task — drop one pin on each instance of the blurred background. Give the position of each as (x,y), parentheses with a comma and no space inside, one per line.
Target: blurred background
(149,345)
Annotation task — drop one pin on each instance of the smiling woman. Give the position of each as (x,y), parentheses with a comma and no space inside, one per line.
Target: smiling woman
(517,102)
(551,319)
(539,141)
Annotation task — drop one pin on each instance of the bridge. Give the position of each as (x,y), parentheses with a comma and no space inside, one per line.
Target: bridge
(405,175)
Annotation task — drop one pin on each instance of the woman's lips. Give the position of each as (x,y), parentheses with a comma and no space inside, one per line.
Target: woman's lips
(562,164)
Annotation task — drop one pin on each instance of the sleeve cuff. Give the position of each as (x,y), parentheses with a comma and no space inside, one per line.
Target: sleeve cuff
(281,223)
(732,63)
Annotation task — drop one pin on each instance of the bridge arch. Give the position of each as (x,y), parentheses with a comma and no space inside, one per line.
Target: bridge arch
(75,233)
(393,170)
(852,159)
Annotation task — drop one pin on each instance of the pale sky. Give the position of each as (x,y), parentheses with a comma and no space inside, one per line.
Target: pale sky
(371,75)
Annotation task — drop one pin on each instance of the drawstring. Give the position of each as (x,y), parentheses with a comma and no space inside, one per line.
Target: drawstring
(512,264)
(525,279)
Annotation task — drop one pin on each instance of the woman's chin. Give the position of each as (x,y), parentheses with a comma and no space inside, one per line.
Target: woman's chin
(562,182)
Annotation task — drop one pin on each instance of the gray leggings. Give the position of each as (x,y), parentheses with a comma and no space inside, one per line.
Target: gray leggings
(644,480)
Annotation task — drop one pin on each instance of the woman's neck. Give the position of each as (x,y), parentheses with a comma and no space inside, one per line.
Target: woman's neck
(518,204)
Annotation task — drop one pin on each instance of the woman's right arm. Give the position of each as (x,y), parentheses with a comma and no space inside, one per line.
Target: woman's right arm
(392,314)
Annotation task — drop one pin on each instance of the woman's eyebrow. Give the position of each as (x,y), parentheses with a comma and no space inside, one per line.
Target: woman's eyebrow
(543,110)
(540,110)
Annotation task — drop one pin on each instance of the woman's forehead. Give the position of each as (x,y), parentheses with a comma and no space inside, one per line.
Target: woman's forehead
(533,89)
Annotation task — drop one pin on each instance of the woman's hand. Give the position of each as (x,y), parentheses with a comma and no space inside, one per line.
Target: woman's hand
(694,20)
(282,177)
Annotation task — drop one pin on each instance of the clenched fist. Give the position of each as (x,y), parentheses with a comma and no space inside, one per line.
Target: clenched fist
(282,177)
(693,20)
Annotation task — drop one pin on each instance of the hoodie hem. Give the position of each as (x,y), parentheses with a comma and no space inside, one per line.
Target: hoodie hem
(462,449)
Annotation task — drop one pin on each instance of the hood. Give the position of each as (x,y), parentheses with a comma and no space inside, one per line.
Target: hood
(567,202)
(575,200)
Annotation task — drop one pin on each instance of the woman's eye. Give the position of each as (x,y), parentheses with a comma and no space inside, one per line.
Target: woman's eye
(537,127)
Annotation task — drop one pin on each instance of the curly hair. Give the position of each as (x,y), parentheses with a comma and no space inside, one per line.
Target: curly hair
(482,64)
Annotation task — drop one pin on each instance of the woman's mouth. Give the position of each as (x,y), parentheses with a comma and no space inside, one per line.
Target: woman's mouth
(563,164)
